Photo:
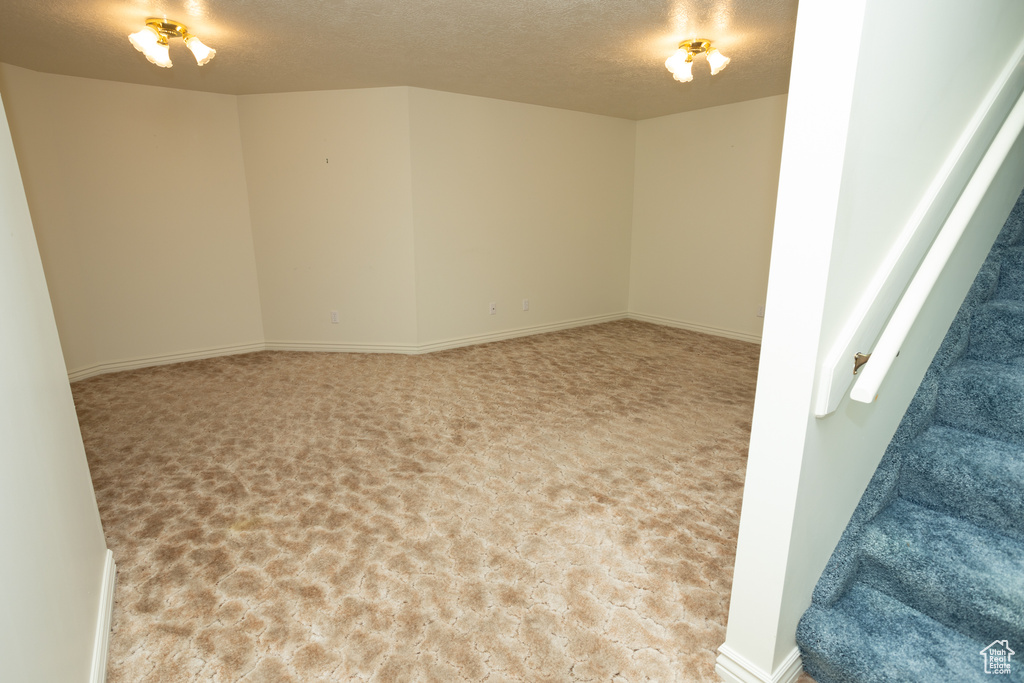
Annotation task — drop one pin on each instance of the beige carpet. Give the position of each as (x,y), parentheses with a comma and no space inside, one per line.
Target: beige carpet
(561,507)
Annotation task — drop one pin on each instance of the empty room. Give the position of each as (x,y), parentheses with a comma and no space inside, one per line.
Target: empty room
(401,383)
(419,342)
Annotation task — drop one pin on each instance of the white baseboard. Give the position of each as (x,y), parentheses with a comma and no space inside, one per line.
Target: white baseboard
(409,349)
(733,667)
(454,343)
(330,347)
(151,361)
(706,329)
(519,332)
(101,643)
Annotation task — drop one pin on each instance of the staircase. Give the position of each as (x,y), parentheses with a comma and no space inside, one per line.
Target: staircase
(930,569)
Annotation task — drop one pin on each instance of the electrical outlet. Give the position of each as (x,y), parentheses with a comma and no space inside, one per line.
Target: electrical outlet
(334,317)
(760,311)
(494,308)
(526,304)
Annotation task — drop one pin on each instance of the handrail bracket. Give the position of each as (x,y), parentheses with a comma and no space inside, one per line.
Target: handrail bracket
(859,359)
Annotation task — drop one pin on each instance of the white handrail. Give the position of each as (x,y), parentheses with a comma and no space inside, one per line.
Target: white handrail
(882,294)
(865,390)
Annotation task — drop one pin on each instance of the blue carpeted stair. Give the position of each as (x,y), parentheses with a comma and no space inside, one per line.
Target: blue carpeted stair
(930,569)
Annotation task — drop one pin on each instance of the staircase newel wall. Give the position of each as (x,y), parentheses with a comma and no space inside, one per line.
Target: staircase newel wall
(866,135)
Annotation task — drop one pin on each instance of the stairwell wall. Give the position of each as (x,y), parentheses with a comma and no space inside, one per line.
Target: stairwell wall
(52,567)
(863,141)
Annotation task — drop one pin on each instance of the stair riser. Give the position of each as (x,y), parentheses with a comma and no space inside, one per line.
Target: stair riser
(961,475)
(985,401)
(997,333)
(980,619)
(1011,276)
(870,638)
(999,507)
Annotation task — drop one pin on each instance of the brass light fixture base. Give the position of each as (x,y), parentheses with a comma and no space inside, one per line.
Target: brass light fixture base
(167,28)
(695,47)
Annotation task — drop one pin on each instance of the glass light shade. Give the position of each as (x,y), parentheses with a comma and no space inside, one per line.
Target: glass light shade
(159,55)
(677,61)
(717,61)
(144,40)
(202,52)
(684,73)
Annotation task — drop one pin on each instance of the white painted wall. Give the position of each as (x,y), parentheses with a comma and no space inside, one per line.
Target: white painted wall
(407,211)
(902,128)
(52,563)
(139,202)
(703,209)
(330,193)
(866,131)
(515,201)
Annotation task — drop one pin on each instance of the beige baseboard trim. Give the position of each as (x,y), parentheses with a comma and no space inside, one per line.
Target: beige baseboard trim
(706,329)
(150,361)
(409,349)
(733,667)
(101,642)
(281,345)
(518,332)
(330,347)
(454,343)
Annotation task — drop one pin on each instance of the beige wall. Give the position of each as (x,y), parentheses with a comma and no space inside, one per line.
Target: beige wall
(139,203)
(330,193)
(52,563)
(703,210)
(513,202)
(407,211)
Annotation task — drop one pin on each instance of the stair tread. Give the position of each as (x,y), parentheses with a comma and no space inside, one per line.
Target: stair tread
(965,576)
(870,637)
(986,366)
(983,397)
(1004,306)
(1011,276)
(957,472)
(997,332)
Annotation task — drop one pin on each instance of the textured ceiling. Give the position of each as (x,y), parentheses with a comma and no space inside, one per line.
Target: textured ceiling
(599,56)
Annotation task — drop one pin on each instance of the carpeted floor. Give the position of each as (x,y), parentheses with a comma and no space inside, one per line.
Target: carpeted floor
(560,507)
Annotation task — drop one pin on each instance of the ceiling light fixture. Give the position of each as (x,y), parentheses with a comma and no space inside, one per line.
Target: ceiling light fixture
(152,42)
(681,61)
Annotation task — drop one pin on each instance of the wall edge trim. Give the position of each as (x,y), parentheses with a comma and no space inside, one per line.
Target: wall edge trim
(407,349)
(101,641)
(166,359)
(733,667)
(473,340)
(445,344)
(340,347)
(695,327)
